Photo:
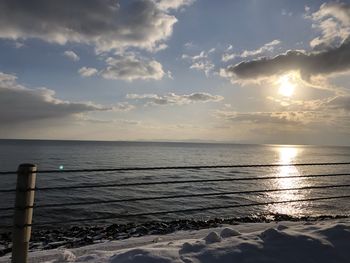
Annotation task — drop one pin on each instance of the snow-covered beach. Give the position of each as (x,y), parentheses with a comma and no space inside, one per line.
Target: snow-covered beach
(312,241)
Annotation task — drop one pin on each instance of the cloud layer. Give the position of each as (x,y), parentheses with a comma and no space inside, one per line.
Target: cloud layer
(106,24)
(330,54)
(19,104)
(334,60)
(174,99)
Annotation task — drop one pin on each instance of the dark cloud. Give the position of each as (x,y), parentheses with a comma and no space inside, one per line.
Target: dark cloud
(19,104)
(330,54)
(107,24)
(314,63)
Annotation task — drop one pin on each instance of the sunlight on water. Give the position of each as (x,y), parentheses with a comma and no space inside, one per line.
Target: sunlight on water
(287,155)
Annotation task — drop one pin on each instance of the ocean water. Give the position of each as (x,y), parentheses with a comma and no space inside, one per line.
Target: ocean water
(85,155)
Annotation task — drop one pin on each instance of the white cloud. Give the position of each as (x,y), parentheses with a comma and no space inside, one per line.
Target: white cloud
(268,47)
(189,45)
(105,24)
(87,72)
(174,99)
(201,55)
(202,61)
(230,47)
(71,55)
(333,21)
(205,66)
(129,68)
(123,106)
(173,4)
(227,57)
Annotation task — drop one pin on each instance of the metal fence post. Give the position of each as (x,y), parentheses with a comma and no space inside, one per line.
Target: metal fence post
(26,175)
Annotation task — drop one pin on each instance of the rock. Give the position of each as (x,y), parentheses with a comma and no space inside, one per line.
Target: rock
(229,232)
(281,227)
(212,237)
(66,256)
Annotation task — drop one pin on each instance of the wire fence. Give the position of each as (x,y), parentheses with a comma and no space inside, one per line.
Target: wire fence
(177,168)
(185,210)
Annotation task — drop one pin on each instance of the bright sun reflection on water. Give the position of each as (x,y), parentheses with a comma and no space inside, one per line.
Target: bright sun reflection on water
(287,155)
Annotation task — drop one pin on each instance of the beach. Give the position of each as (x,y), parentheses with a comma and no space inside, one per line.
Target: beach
(312,241)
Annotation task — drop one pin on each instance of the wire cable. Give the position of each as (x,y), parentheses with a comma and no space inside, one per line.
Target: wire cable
(177,167)
(184,181)
(183,211)
(174,182)
(178,196)
(188,167)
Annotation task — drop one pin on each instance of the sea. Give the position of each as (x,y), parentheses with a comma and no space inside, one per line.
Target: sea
(67,155)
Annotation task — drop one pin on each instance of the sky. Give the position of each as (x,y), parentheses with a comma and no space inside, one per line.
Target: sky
(243,71)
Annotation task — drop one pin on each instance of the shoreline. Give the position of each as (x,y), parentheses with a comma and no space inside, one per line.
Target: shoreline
(79,236)
(318,241)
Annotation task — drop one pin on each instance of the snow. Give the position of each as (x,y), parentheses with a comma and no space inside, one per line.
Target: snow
(319,241)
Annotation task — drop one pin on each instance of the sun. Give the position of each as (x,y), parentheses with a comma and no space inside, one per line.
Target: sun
(286,86)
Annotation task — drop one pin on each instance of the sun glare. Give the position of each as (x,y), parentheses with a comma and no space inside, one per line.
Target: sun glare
(286,87)
(288,155)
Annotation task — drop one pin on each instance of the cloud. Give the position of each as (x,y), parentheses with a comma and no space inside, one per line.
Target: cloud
(201,62)
(227,57)
(105,24)
(173,4)
(71,55)
(174,99)
(205,66)
(87,72)
(189,45)
(268,47)
(296,119)
(330,54)
(340,102)
(19,104)
(129,68)
(262,117)
(285,13)
(18,45)
(333,21)
(309,64)
(123,106)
